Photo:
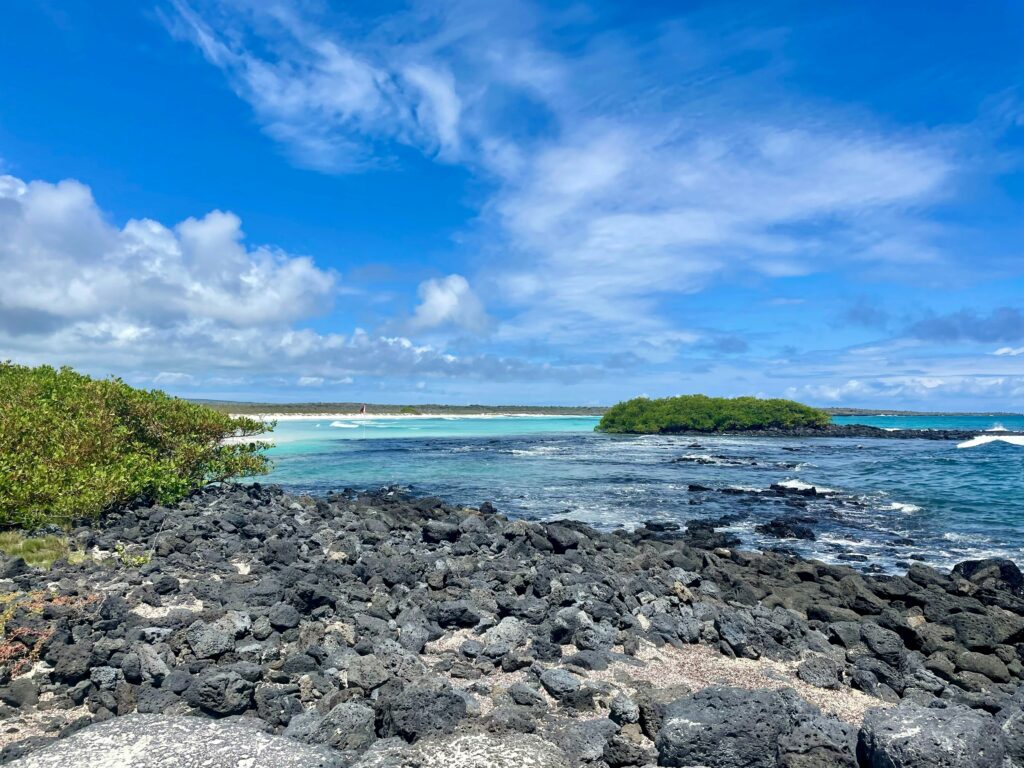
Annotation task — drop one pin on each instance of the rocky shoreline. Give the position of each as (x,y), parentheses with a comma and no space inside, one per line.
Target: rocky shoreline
(851,430)
(382,630)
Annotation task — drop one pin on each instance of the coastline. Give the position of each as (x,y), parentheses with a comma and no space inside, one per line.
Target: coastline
(375,626)
(402,416)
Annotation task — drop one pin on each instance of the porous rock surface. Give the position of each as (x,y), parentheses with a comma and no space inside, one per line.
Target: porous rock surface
(159,741)
(377,629)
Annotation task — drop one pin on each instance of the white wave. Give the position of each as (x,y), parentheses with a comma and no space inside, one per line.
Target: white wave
(800,485)
(997,427)
(905,508)
(538,451)
(965,538)
(974,442)
(854,545)
(344,425)
(717,461)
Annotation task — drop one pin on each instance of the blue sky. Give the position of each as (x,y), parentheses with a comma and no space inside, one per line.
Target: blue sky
(511,202)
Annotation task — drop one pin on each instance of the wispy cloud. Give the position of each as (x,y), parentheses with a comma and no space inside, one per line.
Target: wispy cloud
(328,101)
(647,170)
(919,389)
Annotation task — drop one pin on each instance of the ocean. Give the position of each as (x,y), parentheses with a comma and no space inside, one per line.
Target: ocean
(879,504)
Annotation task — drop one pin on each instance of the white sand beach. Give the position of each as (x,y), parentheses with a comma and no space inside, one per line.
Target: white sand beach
(379,416)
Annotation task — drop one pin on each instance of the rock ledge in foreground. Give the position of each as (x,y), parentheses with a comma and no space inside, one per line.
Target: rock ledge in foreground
(159,741)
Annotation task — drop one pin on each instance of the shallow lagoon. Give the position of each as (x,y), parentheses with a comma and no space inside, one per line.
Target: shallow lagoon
(889,501)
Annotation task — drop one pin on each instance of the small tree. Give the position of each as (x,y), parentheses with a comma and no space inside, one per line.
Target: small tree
(699,413)
(73,447)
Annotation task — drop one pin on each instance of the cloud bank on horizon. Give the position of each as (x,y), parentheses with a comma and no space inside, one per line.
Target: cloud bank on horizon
(518,202)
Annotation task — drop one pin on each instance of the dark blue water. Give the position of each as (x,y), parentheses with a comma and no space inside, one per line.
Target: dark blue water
(882,502)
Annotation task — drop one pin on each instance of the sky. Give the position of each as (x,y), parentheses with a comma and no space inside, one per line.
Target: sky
(516,202)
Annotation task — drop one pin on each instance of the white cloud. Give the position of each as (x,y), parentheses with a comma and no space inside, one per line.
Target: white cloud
(195,302)
(615,220)
(449,301)
(440,107)
(323,98)
(921,389)
(173,378)
(636,185)
(63,264)
(1009,351)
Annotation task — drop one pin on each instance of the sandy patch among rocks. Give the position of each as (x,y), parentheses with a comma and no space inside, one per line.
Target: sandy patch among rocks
(43,723)
(695,666)
(699,666)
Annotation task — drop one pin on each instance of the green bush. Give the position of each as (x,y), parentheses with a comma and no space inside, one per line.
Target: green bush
(408,410)
(699,413)
(73,447)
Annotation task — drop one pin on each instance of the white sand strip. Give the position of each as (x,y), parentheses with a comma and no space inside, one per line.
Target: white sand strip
(399,416)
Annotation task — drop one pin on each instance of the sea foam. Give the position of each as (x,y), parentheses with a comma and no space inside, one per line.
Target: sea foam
(905,508)
(974,442)
(800,485)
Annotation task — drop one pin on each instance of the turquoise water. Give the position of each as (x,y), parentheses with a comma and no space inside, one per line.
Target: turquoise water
(889,501)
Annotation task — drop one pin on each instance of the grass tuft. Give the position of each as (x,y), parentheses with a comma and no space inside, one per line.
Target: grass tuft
(37,551)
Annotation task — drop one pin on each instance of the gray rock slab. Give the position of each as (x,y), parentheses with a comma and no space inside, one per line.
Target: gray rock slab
(158,741)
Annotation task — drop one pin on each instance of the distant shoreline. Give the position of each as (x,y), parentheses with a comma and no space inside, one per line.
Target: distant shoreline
(346,410)
(399,416)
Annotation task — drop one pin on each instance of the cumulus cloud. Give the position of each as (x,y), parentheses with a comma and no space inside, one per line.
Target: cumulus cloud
(1002,324)
(64,265)
(451,302)
(196,302)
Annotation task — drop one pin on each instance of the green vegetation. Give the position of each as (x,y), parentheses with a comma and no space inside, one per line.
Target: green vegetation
(39,552)
(131,559)
(408,410)
(699,413)
(73,447)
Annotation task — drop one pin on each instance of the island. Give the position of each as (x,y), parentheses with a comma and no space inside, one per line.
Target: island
(747,416)
(700,413)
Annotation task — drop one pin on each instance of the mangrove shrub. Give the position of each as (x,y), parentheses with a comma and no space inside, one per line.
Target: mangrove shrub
(73,447)
(699,413)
